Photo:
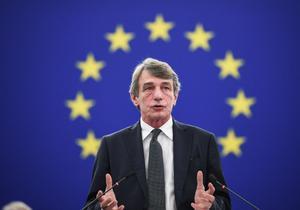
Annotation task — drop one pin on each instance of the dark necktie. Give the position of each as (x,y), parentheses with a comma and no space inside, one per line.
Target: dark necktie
(156,178)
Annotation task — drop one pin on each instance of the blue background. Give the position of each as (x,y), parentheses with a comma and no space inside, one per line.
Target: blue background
(41,42)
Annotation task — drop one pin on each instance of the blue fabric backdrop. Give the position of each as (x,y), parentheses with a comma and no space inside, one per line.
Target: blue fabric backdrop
(43,42)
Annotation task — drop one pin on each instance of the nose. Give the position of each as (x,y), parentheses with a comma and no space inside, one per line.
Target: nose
(158,94)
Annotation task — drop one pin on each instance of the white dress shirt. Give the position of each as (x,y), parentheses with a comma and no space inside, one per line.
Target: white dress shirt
(165,138)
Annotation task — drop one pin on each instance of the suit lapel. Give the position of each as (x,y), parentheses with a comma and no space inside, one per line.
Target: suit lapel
(182,149)
(136,154)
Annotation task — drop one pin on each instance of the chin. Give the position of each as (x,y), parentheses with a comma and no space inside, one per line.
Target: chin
(159,116)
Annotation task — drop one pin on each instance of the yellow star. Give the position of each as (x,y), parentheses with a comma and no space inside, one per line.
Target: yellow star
(229,66)
(231,143)
(241,104)
(80,106)
(90,145)
(199,38)
(119,39)
(90,68)
(159,28)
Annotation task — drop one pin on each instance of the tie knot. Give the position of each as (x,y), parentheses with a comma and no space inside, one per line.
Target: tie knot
(155,132)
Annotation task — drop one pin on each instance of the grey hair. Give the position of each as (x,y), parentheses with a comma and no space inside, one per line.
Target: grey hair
(16,205)
(156,68)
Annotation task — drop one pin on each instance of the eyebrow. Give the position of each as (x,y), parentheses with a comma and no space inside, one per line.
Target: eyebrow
(147,84)
(166,83)
(151,83)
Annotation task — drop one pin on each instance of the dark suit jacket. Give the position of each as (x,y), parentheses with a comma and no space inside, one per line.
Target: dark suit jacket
(122,152)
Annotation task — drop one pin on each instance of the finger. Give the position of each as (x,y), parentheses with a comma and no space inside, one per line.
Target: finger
(105,202)
(199,194)
(99,193)
(195,206)
(204,198)
(202,201)
(211,189)
(112,205)
(208,197)
(200,185)
(108,181)
(201,206)
(204,204)
(121,207)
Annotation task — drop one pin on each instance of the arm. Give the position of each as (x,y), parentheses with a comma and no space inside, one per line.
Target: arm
(212,198)
(99,184)
(203,200)
(101,167)
(222,199)
(108,201)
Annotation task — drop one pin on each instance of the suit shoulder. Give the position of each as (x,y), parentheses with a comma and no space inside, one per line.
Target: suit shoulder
(119,133)
(194,129)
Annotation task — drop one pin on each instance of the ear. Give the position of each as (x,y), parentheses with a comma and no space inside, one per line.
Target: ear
(176,97)
(134,100)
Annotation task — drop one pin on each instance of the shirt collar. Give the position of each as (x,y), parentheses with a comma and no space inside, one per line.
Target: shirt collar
(166,128)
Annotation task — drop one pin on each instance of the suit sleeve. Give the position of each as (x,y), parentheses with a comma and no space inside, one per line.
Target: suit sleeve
(101,167)
(222,199)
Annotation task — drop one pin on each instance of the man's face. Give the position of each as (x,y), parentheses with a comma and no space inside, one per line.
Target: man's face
(156,98)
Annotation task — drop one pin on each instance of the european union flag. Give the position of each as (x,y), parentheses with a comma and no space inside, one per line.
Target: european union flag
(65,73)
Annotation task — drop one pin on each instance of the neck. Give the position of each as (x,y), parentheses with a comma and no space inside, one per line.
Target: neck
(155,123)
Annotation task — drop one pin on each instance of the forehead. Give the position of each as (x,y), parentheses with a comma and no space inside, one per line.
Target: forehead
(147,77)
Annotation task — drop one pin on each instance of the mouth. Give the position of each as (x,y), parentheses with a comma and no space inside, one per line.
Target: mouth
(158,107)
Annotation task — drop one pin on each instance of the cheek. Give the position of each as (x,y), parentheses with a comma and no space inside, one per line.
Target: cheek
(147,97)
(171,99)
(145,101)
(147,94)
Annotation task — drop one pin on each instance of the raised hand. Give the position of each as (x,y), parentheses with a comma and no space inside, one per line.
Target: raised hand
(108,201)
(203,200)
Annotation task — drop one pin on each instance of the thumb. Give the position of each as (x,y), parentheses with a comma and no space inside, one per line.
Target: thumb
(108,181)
(99,194)
(211,189)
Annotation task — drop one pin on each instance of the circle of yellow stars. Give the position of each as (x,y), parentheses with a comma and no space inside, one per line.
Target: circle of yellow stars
(160,29)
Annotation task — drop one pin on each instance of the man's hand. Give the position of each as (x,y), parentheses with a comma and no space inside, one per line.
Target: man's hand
(108,201)
(203,200)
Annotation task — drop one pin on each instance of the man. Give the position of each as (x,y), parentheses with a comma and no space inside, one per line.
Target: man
(171,161)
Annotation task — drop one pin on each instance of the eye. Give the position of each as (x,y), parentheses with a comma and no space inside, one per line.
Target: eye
(166,88)
(147,88)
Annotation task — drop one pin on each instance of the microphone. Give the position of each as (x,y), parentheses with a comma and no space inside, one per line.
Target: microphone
(117,183)
(215,180)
